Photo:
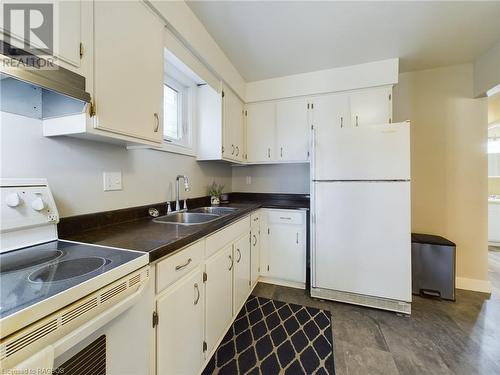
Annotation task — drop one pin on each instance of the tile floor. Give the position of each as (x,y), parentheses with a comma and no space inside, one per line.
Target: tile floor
(440,337)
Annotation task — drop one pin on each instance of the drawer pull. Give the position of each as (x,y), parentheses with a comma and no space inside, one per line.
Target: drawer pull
(285,218)
(239,253)
(181,266)
(197,299)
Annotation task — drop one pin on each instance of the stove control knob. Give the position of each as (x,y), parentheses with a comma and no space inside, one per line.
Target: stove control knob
(13,200)
(37,204)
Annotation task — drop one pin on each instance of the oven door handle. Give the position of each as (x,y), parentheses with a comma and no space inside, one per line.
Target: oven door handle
(86,329)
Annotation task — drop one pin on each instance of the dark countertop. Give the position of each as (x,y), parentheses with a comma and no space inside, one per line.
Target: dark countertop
(139,232)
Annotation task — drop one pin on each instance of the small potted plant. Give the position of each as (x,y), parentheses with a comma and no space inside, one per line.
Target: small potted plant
(215,191)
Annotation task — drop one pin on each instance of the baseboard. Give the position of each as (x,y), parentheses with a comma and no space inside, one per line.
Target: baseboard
(474,285)
(291,284)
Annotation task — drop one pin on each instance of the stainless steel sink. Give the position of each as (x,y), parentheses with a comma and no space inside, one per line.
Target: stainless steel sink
(214,210)
(186,218)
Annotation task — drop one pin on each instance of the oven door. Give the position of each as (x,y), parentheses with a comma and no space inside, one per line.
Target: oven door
(119,341)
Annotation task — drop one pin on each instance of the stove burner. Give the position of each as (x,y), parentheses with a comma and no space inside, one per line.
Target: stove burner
(18,260)
(67,269)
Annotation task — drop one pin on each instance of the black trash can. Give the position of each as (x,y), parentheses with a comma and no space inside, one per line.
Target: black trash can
(433,266)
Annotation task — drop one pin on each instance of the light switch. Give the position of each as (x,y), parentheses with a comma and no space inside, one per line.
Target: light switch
(112,181)
(249,180)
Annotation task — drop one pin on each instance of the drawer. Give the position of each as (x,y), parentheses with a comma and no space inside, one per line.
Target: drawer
(226,235)
(255,218)
(174,267)
(286,217)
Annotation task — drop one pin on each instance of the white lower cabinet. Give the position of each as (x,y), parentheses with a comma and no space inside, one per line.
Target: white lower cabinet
(201,288)
(241,273)
(254,254)
(284,252)
(218,295)
(180,326)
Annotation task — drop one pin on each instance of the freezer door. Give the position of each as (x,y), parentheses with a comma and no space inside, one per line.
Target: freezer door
(362,241)
(378,152)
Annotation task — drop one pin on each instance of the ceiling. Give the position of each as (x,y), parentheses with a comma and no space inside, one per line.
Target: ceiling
(266,39)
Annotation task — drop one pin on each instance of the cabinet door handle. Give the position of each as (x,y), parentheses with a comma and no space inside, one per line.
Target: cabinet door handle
(181,266)
(239,257)
(281,151)
(357,122)
(232,152)
(232,262)
(197,299)
(254,240)
(341,122)
(237,150)
(297,240)
(157,122)
(269,153)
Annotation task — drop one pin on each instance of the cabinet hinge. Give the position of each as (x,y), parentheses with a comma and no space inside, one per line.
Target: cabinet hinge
(312,105)
(268,231)
(312,127)
(268,268)
(308,153)
(390,96)
(81,50)
(258,269)
(223,149)
(246,113)
(390,120)
(205,277)
(205,346)
(91,109)
(222,93)
(155,319)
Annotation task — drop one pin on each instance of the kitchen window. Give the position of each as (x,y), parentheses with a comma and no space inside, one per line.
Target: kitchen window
(177,129)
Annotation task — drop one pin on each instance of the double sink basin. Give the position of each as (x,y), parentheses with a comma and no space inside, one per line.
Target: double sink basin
(201,215)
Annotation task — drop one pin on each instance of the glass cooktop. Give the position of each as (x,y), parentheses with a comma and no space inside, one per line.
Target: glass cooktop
(35,273)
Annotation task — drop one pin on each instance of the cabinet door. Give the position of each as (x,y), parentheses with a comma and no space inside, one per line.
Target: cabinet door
(69,32)
(233,124)
(287,252)
(292,130)
(180,326)
(254,254)
(371,107)
(261,127)
(264,243)
(128,75)
(241,275)
(218,295)
(330,115)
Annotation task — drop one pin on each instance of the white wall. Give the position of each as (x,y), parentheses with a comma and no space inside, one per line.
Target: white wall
(378,73)
(487,71)
(274,178)
(449,163)
(188,28)
(74,169)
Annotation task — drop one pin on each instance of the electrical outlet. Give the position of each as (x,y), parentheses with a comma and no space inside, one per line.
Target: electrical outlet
(112,181)
(249,180)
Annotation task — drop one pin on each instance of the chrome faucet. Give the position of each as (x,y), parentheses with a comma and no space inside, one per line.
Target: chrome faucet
(186,188)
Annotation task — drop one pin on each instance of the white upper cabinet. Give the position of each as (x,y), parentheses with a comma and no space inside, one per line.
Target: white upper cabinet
(233,126)
(371,107)
(292,130)
(70,32)
(261,119)
(128,75)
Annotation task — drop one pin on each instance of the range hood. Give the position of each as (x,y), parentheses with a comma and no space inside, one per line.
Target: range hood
(60,91)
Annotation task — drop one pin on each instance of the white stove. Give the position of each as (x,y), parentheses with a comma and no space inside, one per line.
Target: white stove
(51,288)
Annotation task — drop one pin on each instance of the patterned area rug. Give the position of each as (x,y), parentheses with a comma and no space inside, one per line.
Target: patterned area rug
(271,337)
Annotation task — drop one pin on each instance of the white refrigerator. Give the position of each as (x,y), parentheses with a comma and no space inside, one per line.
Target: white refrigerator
(360,220)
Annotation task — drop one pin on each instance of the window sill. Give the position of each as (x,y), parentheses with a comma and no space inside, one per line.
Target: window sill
(166,147)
